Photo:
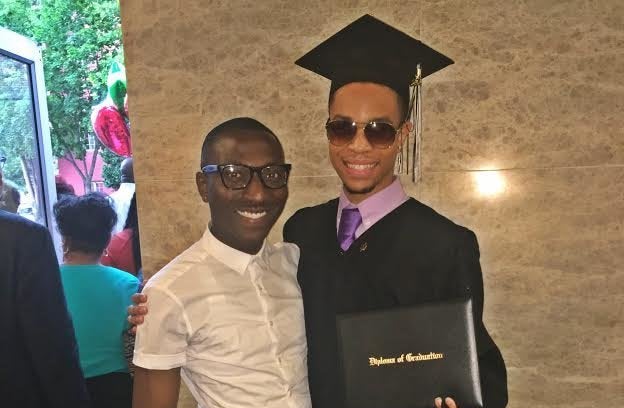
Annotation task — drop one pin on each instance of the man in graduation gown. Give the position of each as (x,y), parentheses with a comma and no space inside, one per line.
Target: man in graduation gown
(374,247)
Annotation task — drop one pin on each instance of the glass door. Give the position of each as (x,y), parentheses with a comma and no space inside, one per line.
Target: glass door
(25,149)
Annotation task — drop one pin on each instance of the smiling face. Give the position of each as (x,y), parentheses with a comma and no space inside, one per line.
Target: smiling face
(243,218)
(363,169)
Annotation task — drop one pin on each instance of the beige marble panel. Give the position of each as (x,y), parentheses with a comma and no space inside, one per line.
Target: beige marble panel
(186,399)
(552,245)
(172,216)
(167,147)
(306,192)
(535,84)
(228,59)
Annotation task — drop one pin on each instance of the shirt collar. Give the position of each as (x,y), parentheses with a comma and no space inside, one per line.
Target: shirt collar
(230,257)
(375,207)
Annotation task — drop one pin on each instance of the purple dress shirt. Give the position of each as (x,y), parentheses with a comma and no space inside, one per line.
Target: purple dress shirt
(374,207)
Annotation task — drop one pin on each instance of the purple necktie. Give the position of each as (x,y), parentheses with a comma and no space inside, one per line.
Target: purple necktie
(349,221)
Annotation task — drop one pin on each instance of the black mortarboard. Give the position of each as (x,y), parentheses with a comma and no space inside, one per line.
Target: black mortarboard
(369,50)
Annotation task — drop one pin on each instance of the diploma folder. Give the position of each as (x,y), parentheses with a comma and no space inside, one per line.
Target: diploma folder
(405,357)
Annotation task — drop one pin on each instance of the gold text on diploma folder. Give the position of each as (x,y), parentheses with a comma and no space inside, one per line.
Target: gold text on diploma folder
(404,358)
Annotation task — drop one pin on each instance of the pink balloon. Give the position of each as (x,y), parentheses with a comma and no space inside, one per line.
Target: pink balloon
(110,127)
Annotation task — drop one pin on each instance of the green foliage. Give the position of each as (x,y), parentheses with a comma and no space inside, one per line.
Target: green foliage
(17,132)
(19,16)
(79,41)
(111,172)
(12,171)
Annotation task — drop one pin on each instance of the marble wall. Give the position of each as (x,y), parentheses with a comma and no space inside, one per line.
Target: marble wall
(523,143)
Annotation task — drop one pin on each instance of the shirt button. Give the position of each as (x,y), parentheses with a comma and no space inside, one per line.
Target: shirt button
(271,323)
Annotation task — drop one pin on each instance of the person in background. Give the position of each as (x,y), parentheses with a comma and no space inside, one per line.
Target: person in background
(9,195)
(122,198)
(124,250)
(124,253)
(97,297)
(39,367)
(63,188)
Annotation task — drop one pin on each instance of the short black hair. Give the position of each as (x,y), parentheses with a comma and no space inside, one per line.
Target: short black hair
(85,222)
(243,124)
(127,170)
(400,100)
(64,188)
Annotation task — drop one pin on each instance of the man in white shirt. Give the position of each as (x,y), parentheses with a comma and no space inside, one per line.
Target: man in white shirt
(226,315)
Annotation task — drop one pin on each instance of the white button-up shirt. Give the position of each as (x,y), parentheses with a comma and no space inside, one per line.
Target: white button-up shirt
(233,322)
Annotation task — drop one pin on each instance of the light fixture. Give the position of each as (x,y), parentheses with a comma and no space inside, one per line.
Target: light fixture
(490,183)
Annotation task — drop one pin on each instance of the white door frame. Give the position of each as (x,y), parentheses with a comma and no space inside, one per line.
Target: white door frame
(25,50)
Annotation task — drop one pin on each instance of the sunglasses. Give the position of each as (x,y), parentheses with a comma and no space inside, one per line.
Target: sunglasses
(238,176)
(341,132)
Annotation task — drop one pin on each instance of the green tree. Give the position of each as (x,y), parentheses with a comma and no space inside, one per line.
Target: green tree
(20,16)
(17,129)
(79,40)
(111,171)
(16,116)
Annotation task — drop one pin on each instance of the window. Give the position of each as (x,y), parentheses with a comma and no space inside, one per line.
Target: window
(91,141)
(25,148)
(98,186)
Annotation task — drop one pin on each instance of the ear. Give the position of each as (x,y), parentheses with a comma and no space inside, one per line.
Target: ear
(202,185)
(65,245)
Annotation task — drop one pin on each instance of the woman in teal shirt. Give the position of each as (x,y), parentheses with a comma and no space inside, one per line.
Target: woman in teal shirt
(97,297)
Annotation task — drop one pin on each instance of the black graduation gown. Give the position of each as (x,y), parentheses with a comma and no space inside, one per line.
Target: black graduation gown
(412,255)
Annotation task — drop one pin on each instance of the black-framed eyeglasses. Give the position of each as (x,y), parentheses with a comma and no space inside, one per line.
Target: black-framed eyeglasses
(238,176)
(341,132)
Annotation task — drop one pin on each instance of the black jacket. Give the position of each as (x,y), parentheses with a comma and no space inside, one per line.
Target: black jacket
(39,365)
(412,255)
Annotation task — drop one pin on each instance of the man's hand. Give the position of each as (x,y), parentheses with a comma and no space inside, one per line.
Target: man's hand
(448,401)
(137,312)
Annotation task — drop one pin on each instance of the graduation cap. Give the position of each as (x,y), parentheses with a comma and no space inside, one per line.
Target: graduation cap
(369,50)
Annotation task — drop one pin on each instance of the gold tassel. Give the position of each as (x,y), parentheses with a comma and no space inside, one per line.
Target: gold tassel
(399,163)
(415,115)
